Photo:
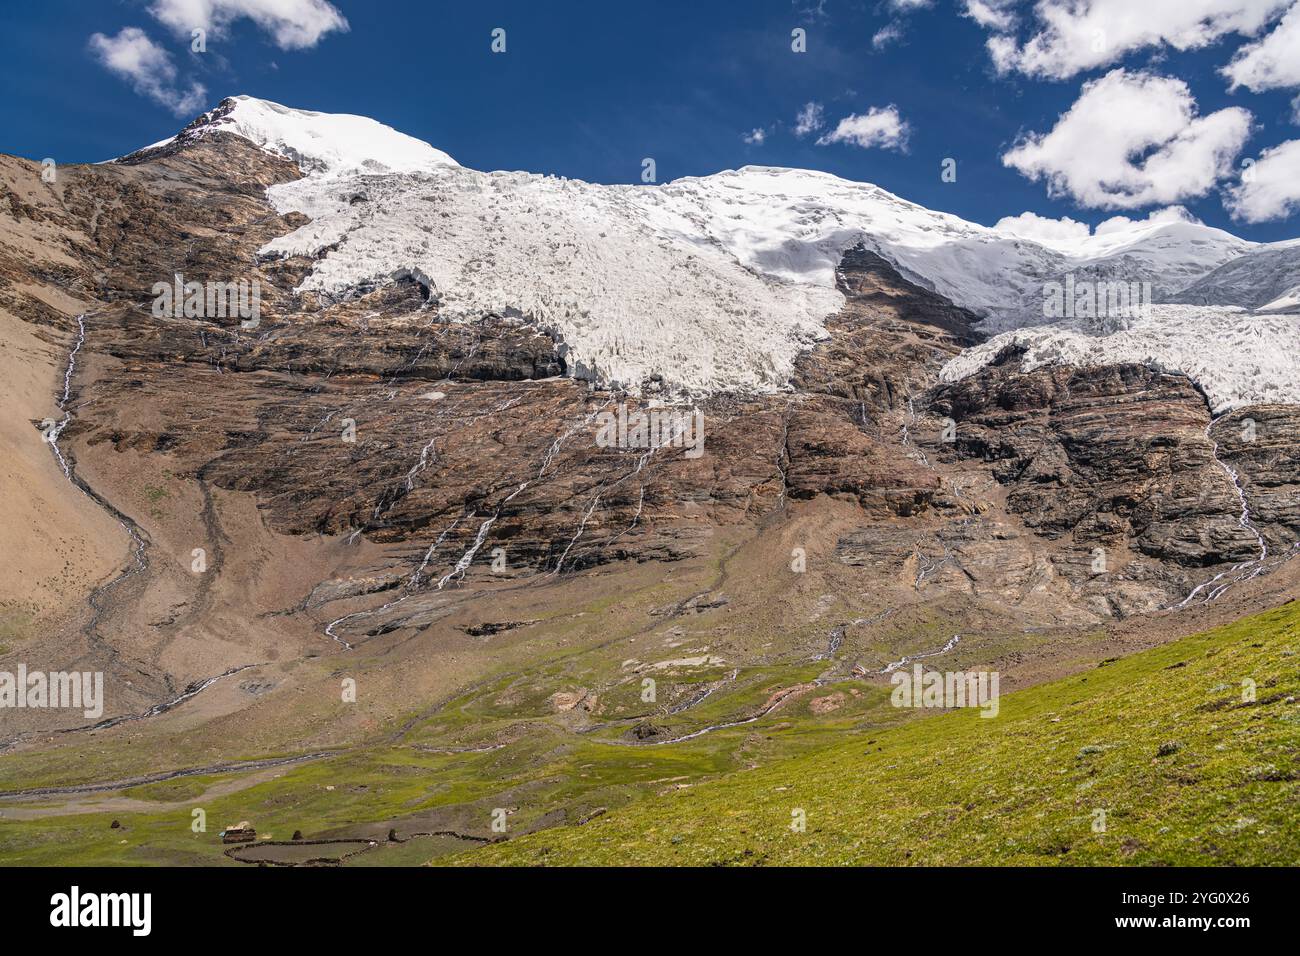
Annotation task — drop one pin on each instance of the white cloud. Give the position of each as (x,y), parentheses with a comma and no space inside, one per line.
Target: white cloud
(148,68)
(1003,52)
(1270,188)
(1077,35)
(1295,111)
(810,118)
(1130,140)
(1272,62)
(1068,236)
(1029,225)
(295,24)
(876,127)
(810,10)
(893,30)
(756,136)
(992,14)
(1124,223)
(886,35)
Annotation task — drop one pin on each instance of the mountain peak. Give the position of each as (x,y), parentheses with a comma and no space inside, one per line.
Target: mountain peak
(322,144)
(753,255)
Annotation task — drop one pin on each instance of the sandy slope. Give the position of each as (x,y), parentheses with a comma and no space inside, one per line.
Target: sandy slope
(54,540)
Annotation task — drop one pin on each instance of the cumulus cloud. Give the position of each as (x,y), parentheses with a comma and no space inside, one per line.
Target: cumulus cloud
(886,35)
(1066,235)
(810,119)
(991,14)
(132,55)
(1077,35)
(1272,62)
(149,69)
(1270,187)
(879,126)
(1130,140)
(1155,217)
(756,136)
(294,24)
(1043,229)
(893,31)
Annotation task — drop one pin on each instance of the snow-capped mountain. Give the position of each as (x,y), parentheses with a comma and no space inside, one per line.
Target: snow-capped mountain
(1236,357)
(1267,279)
(324,145)
(1169,249)
(719,282)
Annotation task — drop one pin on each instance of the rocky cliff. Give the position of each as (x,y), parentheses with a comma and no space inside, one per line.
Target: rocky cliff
(377,486)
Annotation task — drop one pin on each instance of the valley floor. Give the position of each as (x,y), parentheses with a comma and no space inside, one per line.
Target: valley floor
(1162,750)
(368,575)
(1162,758)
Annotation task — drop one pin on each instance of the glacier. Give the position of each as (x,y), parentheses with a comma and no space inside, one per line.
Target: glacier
(718,283)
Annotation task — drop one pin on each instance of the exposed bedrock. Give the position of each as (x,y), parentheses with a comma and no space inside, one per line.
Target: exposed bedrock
(1121,454)
(469,447)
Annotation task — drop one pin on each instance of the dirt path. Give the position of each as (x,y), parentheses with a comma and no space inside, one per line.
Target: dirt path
(236,767)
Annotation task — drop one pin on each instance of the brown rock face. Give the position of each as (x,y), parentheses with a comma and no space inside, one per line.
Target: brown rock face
(358,470)
(828,455)
(1261,444)
(1111,455)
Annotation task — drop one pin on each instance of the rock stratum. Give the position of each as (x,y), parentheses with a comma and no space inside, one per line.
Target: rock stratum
(371,485)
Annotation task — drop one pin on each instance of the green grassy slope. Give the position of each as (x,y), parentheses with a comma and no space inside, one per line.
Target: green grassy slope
(1185,771)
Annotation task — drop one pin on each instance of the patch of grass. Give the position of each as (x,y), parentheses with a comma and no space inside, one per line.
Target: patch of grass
(155,494)
(15,626)
(1079,771)
(332,797)
(170,791)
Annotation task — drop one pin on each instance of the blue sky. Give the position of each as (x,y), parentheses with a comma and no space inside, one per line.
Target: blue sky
(588,89)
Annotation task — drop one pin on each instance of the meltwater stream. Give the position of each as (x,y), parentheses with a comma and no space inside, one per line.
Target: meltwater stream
(1245,570)
(416,580)
(139,559)
(52,434)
